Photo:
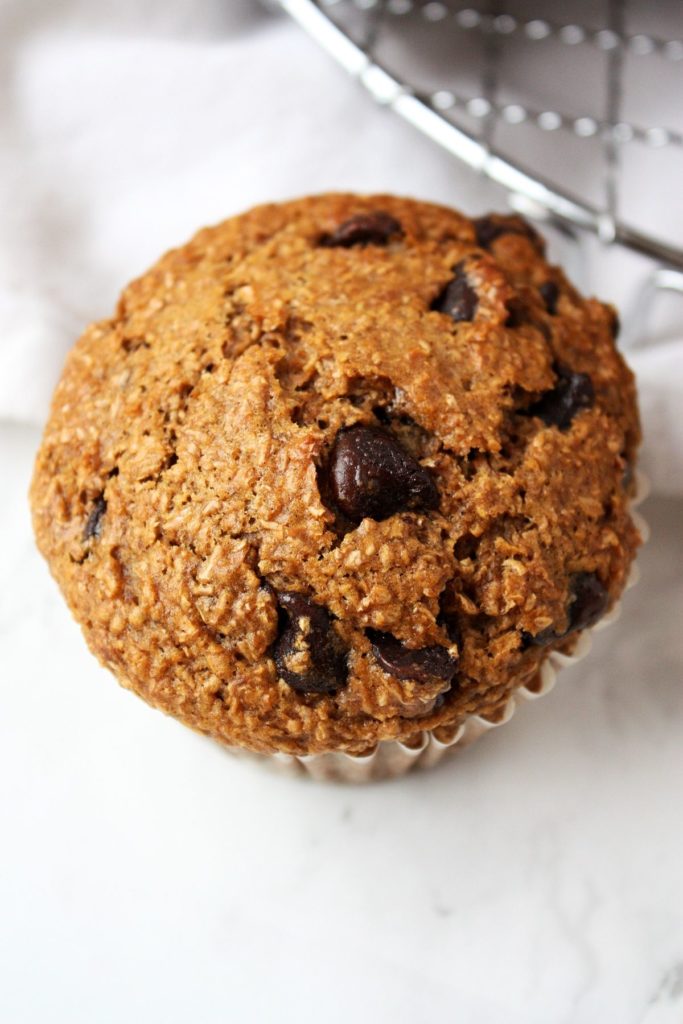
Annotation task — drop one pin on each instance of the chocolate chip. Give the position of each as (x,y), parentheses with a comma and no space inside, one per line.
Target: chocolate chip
(458,299)
(93,525)
(588,600)
(371,474)
(517,313)
(308,652)
(364,229)
(572,393)
(488,229)
(550,293)
(615,325)
(424,665)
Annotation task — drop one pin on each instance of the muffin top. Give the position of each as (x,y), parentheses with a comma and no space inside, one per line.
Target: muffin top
(340,470)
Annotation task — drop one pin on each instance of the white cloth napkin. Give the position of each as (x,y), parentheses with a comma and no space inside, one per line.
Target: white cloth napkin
(125,126)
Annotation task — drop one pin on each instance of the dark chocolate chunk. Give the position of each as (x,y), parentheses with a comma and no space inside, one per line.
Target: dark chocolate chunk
(371,474)
(488,229)
(615,325)
(517,313)
(424,665)
(93,524)
(308,653)
(572,393)
(458,299)
(588,600)
(550,293)
(364,229)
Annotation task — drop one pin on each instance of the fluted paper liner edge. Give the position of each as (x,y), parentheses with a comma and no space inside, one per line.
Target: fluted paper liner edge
(392,758)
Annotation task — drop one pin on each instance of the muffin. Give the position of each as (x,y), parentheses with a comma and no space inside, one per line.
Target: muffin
(340,474)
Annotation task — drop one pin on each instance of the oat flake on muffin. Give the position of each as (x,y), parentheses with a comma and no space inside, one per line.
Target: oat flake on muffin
(340,470)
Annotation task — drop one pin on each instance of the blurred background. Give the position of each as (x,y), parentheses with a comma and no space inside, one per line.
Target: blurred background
(142,871)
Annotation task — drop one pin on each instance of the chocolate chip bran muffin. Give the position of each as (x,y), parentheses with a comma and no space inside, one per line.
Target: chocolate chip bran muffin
(340,470)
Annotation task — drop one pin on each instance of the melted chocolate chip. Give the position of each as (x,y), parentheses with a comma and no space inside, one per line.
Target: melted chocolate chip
(572,393)
(588,600)
(93,524)
(458,299)
(550,293)
(488,229)
(308,653)
(371,474)
(364,229)
(424,665)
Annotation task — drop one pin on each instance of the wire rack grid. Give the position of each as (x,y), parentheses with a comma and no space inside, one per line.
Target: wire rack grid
(398,49)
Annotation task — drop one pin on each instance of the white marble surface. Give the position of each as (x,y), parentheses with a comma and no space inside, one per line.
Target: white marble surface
(146,875)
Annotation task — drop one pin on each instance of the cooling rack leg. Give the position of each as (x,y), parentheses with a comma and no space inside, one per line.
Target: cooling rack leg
(638,327)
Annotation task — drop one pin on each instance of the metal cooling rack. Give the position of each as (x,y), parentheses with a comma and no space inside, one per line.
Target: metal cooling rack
(490,83)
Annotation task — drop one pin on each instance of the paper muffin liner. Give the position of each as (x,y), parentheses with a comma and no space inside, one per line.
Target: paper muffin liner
(391,758)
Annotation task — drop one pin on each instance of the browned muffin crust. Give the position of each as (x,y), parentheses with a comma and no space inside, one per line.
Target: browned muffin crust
(339,470)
